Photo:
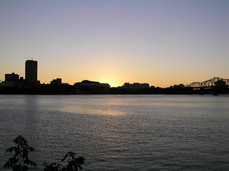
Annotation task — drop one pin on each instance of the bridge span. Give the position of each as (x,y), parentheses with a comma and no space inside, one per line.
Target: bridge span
(215,81)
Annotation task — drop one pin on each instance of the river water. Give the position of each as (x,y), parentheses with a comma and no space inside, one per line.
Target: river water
(120,132)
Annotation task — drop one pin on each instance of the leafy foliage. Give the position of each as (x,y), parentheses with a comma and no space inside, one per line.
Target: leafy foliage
(73,163)
(20,161)
(52,166)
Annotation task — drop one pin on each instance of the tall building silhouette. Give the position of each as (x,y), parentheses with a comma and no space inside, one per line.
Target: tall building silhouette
(31,71)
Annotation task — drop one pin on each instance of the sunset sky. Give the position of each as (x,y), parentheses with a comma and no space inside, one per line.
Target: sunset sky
(160,42)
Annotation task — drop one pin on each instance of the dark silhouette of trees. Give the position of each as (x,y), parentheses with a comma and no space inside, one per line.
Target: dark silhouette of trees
(52,166)
(21,162)
(71,162)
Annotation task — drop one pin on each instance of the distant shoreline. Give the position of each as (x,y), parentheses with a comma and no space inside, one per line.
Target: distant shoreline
(104,94)
(72,90)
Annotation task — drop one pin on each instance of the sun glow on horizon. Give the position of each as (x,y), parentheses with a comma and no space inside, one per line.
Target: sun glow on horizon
(111,82)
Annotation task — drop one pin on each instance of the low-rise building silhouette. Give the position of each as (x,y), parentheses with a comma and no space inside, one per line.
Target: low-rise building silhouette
(12,77)
(56,82)
(135,86)
(12,80)
(87,86)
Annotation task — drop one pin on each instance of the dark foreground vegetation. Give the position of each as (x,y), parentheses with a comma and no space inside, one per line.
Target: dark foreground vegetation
(20,160)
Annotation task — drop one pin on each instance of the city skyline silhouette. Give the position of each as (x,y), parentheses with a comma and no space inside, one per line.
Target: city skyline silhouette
(32,67)
(15,84)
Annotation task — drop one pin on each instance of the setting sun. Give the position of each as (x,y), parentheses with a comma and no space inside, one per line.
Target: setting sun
(111,82)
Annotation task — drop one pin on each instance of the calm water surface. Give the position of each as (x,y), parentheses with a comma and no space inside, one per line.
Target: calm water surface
(121,132)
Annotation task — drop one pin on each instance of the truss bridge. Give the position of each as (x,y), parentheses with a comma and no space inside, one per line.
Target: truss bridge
(215,81)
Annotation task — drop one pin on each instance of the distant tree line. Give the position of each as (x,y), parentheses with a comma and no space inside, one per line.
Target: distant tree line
(73,89)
